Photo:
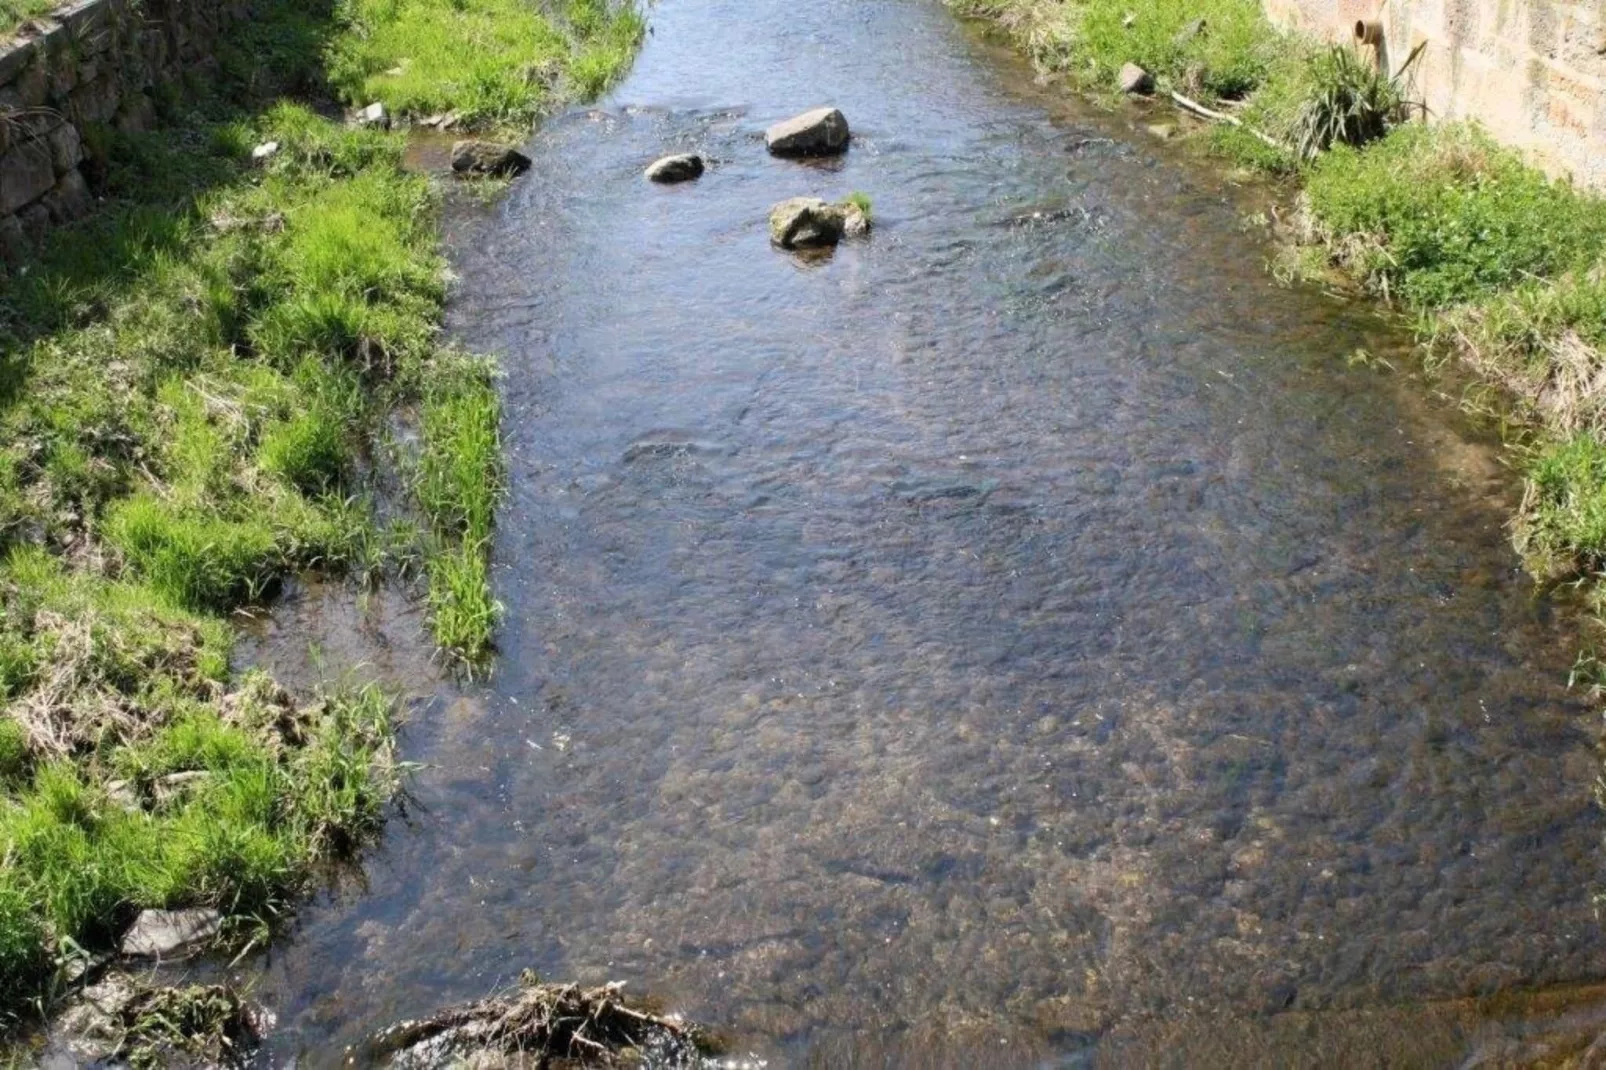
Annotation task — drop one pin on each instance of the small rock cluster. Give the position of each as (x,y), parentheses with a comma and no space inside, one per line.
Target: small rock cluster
(124,1019)
(809,222)
(798,222)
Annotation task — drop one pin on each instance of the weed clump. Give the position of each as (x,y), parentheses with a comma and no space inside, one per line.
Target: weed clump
(598,1026)
(459,483)
(1439,215)
(1350,101)
(207,1024)
(1562,526)
(263,795)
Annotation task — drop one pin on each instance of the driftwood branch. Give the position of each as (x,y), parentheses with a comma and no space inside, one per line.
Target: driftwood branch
(1203,112)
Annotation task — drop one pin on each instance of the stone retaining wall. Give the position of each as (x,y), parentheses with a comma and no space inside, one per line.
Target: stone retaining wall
(1532,71)
(94,63)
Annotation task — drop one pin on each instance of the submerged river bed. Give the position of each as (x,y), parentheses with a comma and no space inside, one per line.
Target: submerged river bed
(1021,638)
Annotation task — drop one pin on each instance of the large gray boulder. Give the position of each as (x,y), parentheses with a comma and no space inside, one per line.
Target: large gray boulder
(807,223)
(679,168)
(821,132)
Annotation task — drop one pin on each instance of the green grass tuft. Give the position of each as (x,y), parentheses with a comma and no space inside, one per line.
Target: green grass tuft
(492,62)
(1349,101)
(460,480)
(1562,528)
(25,953)
(15,760)
(198,561)
(13,13)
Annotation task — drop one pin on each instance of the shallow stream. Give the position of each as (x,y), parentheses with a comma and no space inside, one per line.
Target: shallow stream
(1021,638)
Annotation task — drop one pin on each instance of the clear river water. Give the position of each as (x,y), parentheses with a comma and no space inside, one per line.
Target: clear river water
(1019,639)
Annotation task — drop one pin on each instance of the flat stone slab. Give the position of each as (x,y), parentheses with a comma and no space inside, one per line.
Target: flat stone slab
(162,933)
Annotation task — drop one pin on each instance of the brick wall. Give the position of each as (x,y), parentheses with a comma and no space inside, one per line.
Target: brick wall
(94,62)
(1533,71)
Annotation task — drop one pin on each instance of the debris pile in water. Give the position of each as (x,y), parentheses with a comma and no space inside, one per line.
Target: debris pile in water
(201,1025)
(127,1020)
(542,1025)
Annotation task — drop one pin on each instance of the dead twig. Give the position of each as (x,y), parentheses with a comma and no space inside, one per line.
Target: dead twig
(1188,104)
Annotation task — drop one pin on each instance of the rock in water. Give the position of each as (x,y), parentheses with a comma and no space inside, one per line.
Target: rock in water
(160,933)
(807,223)
(855,223)
(821,132)
(1134,79)
(488,158)
(680,168)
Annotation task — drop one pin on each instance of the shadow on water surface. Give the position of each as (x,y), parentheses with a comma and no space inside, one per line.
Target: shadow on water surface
(1023,627)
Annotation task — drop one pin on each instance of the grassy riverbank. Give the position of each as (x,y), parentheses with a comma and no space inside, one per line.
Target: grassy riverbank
(231,373)
(1498,266)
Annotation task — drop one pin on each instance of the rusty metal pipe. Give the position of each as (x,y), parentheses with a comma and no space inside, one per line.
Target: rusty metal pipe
(1368,32)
